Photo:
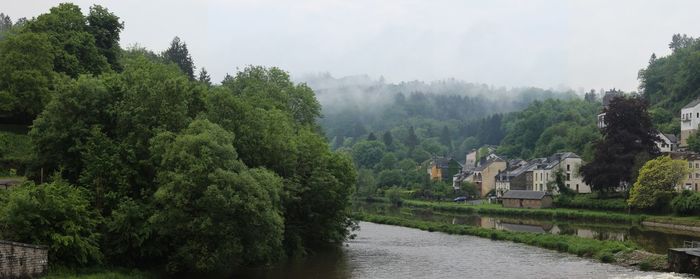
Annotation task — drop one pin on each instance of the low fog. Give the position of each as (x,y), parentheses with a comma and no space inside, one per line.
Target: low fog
(512,43)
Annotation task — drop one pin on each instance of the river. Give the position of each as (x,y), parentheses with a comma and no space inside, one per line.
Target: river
(382,251)
(654,240)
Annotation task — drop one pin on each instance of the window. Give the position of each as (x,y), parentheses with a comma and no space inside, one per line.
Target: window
(568,167)
(697,175)
(697,165)
(690,165)
(576,188)
(568,176)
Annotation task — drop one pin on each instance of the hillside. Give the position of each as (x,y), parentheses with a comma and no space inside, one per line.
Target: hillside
(672,81)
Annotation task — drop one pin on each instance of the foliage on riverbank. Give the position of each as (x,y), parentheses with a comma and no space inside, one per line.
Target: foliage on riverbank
(553,213)
(147,165)
(607,251)
(99,273)
(588,201)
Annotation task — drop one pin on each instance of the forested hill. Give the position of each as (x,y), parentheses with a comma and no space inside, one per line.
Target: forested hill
(354,107)
(672,81)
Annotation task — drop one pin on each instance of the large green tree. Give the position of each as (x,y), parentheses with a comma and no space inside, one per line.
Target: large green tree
(75,49)
(214,209)
(179,54)
(657,181)
(628,132)
(27,79)
(105,27)
(57,215)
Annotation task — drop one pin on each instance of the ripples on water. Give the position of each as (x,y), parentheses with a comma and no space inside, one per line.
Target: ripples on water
(382,251)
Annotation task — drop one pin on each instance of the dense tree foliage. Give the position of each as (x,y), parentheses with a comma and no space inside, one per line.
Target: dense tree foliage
(177,53)
(627,135)
(168,171)
(204,193)
(670,82)
(57,214)
(551,126)
(657,181)
(37,56)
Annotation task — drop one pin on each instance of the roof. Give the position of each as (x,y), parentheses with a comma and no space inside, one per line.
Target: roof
(672,138)
(524,194)
(510,174)
(444,162)
(552,161)
(485,163)
(692,104)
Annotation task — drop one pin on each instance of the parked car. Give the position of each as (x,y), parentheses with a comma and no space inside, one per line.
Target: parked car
(460,199)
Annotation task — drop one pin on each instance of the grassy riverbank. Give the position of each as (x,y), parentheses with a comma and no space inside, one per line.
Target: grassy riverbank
(604,250)
(99,273)
(553,213)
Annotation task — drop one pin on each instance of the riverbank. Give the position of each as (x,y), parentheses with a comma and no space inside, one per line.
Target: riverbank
(99,273)
(553,213)
(607,251)
(690,223)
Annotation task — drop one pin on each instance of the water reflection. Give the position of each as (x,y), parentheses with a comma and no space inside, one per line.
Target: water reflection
(653,240)
(382,251)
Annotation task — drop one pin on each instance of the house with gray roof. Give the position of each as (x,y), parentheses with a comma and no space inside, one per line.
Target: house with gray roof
(566,163)
(526,199)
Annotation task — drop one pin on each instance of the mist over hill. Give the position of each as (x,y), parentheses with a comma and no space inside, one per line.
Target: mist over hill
(355,106)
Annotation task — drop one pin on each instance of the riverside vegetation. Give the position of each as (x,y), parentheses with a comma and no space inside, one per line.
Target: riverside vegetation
(150,167)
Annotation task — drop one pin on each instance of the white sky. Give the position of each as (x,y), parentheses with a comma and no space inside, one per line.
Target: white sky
(548,43)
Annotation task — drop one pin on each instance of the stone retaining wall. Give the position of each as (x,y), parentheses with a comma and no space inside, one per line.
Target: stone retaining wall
(19,260)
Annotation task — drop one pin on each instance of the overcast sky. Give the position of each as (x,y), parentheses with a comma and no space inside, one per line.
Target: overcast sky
(579,44)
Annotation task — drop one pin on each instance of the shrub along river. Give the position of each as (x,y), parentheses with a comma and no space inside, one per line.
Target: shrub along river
(382,251)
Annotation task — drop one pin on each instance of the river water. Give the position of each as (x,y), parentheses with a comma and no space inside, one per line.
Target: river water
(382,251)
(650,239)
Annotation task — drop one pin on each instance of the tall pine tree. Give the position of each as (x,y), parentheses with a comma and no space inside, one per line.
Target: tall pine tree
(178,54)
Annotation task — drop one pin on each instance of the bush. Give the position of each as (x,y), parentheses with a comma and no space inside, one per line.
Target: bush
(58,215)
(394,196)
(687,203)
(589,201)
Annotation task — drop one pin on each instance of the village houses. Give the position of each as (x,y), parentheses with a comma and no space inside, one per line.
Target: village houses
(493,172)
(443,168)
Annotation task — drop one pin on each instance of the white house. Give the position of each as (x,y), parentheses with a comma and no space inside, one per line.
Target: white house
(668,143)
(569,163)
(690,119)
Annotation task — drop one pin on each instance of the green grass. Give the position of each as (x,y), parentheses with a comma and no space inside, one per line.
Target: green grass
(99,273)
(590,201)
(692,221)
(552,213)
(603,250)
